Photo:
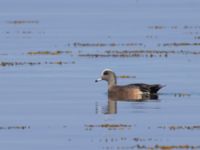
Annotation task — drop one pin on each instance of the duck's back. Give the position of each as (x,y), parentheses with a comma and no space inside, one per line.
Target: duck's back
(150,88)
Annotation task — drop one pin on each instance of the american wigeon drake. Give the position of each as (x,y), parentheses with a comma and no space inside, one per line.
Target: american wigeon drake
(135,91)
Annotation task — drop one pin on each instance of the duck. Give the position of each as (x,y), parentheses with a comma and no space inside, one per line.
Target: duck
(136,91)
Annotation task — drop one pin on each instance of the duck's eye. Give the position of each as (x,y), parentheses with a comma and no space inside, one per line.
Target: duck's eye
(105,73)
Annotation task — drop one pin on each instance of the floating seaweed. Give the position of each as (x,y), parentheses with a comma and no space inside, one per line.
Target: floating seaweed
(24,32)
(57,52)
(126,76)
(157,27)
(138,53)
(78,44)
(127,53)
(110,139)
(170,147)
(5,64)
(185,27)
(18,22)
(109,126)
(14,127)
(191,27)
(155,147)
(197,37)
(151,37)
(181,44)
(181,94)
(180,127)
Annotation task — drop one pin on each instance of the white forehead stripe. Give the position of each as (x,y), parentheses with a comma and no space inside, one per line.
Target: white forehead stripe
(107,69)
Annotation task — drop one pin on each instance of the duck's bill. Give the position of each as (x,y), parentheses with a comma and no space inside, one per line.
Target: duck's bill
(97,80)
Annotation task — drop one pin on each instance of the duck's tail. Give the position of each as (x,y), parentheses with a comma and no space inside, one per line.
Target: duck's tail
(155,88)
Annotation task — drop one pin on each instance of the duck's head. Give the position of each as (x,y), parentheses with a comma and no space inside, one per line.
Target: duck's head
(109,76)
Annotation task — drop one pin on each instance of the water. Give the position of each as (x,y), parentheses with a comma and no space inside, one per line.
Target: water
(52,52)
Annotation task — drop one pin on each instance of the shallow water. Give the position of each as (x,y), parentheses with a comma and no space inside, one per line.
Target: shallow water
(52,51)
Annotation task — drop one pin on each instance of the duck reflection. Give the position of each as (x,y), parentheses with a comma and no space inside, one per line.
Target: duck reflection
(114,99)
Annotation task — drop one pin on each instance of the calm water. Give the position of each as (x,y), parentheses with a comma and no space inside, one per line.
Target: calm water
(52,51)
